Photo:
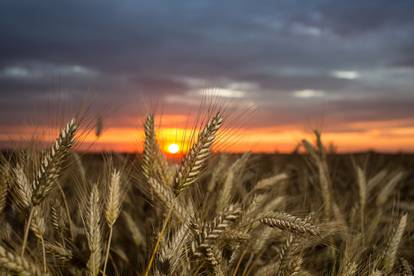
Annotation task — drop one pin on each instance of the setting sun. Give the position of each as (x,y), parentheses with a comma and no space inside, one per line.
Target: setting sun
(173,148)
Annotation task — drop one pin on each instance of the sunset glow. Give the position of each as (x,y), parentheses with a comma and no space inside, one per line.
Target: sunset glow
(386,136)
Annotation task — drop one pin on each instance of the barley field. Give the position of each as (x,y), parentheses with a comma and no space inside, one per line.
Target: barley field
(311,212)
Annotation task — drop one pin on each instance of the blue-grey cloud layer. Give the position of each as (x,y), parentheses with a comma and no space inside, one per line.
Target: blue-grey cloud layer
(271,50)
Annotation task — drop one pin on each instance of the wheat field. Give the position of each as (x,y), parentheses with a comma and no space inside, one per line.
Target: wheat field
(311,212)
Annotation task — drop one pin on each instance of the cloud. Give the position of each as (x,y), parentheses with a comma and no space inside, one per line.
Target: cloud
(348,75)
(292,60)
(308,93)
(41,70)
(222,92)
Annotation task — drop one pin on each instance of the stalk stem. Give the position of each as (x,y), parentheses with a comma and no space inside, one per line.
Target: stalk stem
(26,231)
(157,244)
(43,254)
(107,250)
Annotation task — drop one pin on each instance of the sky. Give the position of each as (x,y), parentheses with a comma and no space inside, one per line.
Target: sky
(343,67)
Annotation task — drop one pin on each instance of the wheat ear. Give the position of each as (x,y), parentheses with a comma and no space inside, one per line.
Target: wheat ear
(57,219)
(391,253)
(21,189)
(227,187)
(59,252)
(136,235)
(94,231)
(49,171)
(290,259)
(406,268)
(112,208)
(213,230)
(113,201)
(318,157)
(51,165)
(290,223)
(173,250)
(388,188)
(350,269)
(168,199)
(154,164)
(12,262)
(192,164)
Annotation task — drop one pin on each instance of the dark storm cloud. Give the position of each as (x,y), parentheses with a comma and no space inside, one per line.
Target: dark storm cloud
(158,49)
(367,16)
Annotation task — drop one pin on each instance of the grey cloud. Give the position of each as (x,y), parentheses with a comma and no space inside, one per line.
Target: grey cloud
(129,48)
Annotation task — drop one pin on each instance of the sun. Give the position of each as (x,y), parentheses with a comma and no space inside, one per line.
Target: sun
(173,148)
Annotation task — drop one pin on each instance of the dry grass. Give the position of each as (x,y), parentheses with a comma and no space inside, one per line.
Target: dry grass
(301,214)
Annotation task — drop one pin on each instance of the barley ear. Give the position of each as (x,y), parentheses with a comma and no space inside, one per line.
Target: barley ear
(52,162)
(192,164)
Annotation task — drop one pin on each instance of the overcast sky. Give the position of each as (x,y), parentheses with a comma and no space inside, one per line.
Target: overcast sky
(343,66)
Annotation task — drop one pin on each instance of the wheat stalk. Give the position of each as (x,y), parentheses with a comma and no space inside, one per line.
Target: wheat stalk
(187,174)
(38,226)
(49,171)
(195,159)
(112,208)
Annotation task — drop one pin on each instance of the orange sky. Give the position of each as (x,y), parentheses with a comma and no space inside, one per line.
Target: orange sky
(388,136)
